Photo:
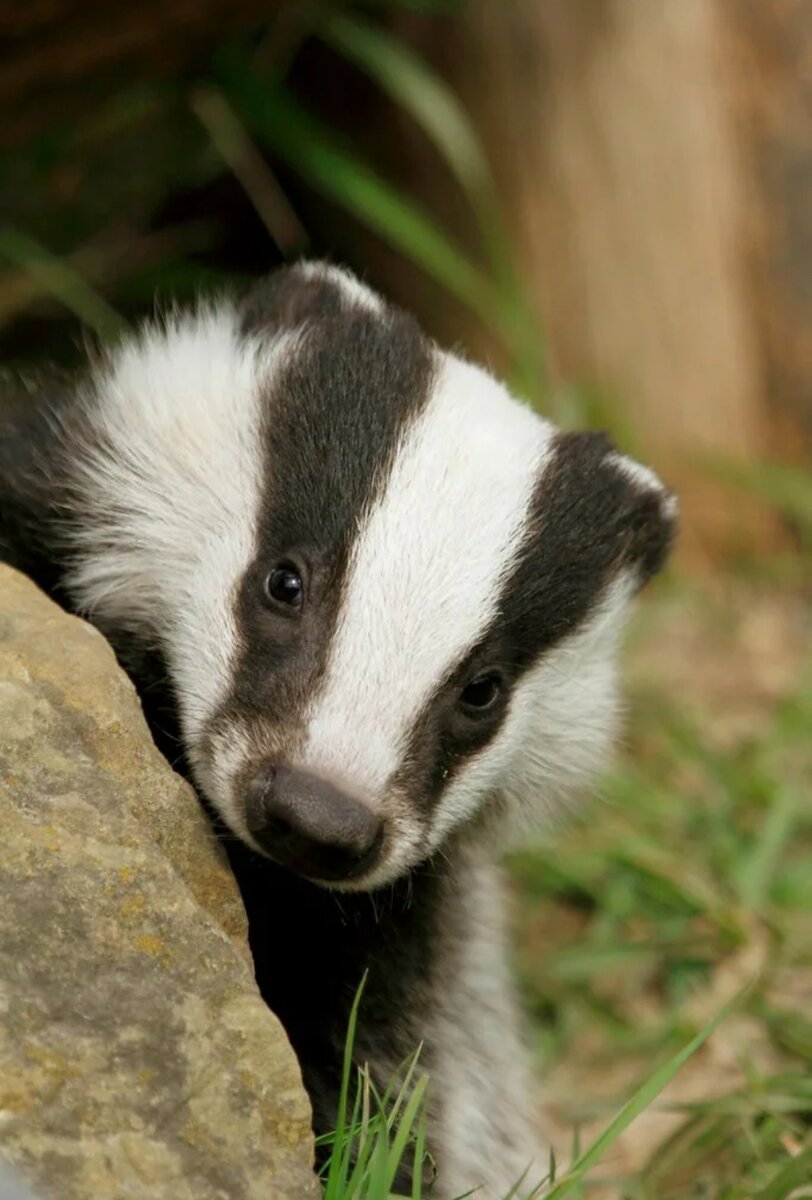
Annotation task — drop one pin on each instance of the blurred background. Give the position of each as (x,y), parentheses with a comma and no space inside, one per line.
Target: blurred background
(608,202)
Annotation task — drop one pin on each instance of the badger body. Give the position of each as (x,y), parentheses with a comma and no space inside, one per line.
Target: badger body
(376,603)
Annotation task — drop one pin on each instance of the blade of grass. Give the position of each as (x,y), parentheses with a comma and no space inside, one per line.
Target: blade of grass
(229,138)
(58,279)
(797,1171)
(411,83)
(319,157)
(334,1173)
(420,91)
(642,1098)
(412,1113)
(353,1143)
(365,1141)
(758,868)
(394,1111)
(513,1194)
(419,1160)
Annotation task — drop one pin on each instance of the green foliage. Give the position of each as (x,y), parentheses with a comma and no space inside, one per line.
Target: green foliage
(787,488)
(375,1133)
(381,1133)
(248,106)
(308,146)
(62,281)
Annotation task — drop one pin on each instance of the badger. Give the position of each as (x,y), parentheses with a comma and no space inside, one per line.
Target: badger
(374,602)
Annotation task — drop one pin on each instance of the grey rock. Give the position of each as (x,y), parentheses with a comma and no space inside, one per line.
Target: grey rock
(11,1187)
(137,1058)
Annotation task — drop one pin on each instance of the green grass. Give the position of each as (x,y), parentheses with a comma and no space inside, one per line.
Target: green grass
(377,1133)
(221,127)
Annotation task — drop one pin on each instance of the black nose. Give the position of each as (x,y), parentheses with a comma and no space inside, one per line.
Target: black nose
(304,823)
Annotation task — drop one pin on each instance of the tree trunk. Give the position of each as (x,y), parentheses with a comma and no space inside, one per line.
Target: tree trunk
(771,47)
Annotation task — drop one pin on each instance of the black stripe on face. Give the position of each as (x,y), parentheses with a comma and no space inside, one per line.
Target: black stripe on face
(586,522)
(335,415)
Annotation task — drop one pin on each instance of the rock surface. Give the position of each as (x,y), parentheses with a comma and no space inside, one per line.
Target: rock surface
(137,1058)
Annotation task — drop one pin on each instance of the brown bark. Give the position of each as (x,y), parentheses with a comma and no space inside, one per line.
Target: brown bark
(614,140)
(771,55)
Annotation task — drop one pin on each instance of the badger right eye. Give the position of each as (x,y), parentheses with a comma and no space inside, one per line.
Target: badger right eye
(284,586)
(481,693)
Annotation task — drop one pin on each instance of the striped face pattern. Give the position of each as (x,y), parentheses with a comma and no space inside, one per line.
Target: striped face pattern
(363,561)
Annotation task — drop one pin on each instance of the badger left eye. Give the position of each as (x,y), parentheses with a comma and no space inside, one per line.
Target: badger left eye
(284,586)
(481,693)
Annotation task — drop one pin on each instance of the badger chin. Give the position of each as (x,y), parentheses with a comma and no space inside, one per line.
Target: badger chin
(382,875)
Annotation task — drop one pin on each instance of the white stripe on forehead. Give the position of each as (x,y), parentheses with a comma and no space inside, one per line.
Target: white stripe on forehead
(425,573)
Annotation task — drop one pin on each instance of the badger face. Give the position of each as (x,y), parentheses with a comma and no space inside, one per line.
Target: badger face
(388,594)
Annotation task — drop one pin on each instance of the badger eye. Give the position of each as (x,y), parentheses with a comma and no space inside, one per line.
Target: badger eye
(481,692)
(284,585)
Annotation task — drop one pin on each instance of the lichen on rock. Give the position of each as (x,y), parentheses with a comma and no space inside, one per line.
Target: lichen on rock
(138,1058)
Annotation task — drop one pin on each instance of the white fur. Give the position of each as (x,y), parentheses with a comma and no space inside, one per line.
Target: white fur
(425,572)
(647,481)
(485,1132)
(564,730)
(173,506)
(215,772)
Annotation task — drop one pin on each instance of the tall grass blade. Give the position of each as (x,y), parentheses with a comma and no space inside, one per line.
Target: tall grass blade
(419,1159)
(392,1107)
(58,279)
(412,1114)
(642,1098)
(412,84)
(342,1137)
(796,1172)
(230,140)
(420,91)
(315,152)
(758,868)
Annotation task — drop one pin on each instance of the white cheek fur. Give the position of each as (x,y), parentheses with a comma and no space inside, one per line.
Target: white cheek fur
(558,735)
(172,479)
(216,773)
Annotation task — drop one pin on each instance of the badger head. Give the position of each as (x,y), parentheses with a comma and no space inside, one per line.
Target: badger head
(388,594)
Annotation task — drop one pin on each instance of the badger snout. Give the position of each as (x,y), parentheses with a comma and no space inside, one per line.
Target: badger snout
(310,826)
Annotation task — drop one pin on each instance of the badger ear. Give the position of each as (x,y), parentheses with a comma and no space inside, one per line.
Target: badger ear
(618,512)
(597,519)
